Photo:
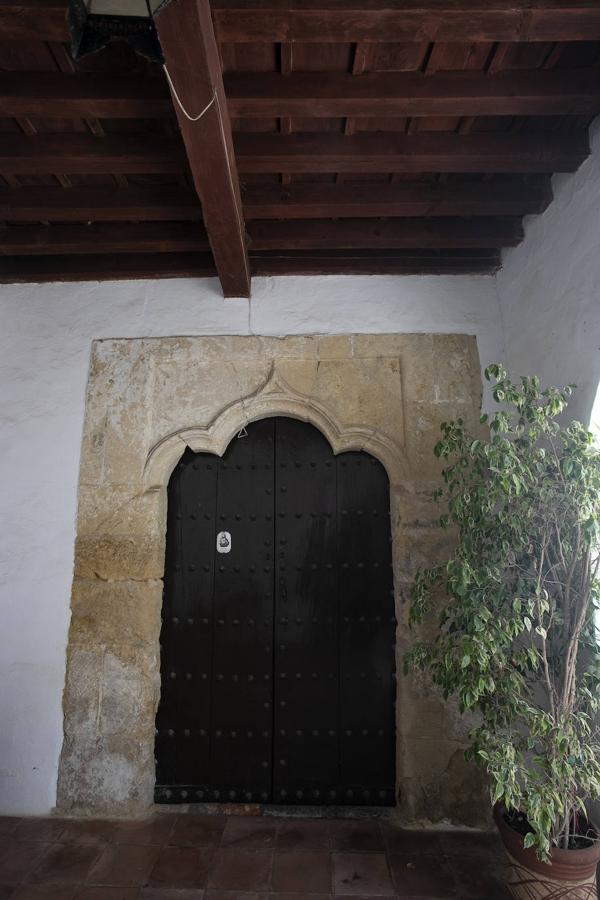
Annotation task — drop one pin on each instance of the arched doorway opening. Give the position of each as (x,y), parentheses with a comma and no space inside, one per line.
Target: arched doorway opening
(278,630)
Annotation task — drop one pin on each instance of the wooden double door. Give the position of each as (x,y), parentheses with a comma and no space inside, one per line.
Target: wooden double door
(278,630)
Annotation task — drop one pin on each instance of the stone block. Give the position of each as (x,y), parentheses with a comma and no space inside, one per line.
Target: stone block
(118,557)
(109,613)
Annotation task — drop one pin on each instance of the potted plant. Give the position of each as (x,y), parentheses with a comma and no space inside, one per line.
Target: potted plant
(515,638)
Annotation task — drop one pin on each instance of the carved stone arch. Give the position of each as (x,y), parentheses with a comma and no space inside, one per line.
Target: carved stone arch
(216,436)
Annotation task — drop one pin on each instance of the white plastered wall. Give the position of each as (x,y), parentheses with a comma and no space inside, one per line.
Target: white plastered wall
(45,338)
(549,288)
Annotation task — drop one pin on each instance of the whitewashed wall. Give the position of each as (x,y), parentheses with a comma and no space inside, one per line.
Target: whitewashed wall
(45,337)
(549,288)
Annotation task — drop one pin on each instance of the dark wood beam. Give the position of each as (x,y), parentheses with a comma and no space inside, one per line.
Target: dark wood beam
(520,93)
(34,20)
(104,237)
(26,269)
(51,95)
(397,262)
(415,20)
(361,234)
(99,204)
(183,237)
(393,152)
(86,154)
(323,201)
(304,152)
(499,197)
(179,265)
(192,58)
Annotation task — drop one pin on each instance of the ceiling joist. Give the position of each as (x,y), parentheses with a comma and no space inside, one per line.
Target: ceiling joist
(519,93)
(334,21)
(500,197)
(396,152)
(181,237)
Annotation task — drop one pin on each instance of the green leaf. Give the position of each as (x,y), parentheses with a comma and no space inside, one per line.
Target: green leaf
(529,840)
(465,661)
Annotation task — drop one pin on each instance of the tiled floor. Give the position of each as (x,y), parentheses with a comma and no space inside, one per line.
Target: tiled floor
(187,856)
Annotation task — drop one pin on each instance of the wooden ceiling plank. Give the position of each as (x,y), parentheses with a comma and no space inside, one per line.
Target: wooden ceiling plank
(99,204)
(183,237)
(460,93)
(301,152)
(420,20)
(322,201)
(86,154)
(34,20)
(130,237)
(192,58)
(402,233)
(392,152)
(54,95)
(40,269)
(296,201)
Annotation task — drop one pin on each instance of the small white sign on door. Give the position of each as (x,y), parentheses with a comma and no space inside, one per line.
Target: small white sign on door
(223,542)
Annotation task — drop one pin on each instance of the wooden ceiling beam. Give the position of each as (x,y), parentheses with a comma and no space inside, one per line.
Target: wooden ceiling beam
(395,152)
(519,93)
(302,152)
(183,237)
(41,269)
(468,21)
(369,234)
(104,237)
(34,20)
(301,200)
(191,54)
(99,204)
(265,201)
(87,154)
(54,95)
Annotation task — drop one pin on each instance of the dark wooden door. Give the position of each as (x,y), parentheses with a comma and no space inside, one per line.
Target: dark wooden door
(277,656)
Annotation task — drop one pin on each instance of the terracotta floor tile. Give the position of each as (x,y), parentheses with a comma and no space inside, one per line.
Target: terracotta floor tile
(196,831)
(235,895)
(156,830)
(466,843)
(478,877)
(124,865)
(181,867)
(18,859)
(300,896)
(241,870)
(252,833)
(8,825)
(421,876)
(44,892)
(37,829)
(361,873)
(303,834)
(107,893)
(89,831)
(173,894)
(356,837)
(65,864)
(400,840)
(305,872)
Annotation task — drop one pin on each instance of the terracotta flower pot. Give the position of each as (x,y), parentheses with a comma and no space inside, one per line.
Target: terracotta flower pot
(570,875)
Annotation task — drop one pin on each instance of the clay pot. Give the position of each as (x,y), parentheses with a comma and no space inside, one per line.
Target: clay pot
(570,874)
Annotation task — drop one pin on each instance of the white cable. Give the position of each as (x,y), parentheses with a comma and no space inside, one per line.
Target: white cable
(180,104)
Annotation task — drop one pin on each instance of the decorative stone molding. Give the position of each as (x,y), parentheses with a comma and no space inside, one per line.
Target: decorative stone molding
(148,400)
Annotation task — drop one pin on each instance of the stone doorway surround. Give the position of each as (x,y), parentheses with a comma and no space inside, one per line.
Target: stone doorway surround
(149,399)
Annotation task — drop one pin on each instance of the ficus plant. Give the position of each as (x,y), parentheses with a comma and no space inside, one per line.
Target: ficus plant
(514,607)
